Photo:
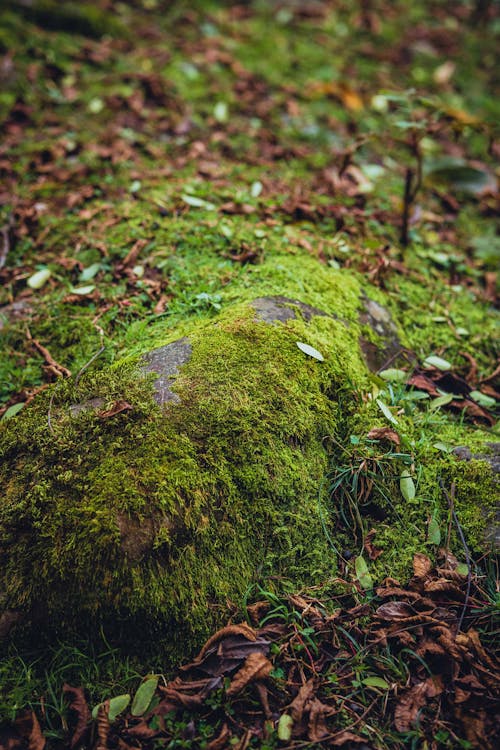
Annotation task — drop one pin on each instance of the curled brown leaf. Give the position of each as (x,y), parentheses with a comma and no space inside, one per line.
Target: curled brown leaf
(256,667)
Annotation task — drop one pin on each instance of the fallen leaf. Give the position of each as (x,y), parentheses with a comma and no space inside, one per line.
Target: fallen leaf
(310,351)
(414,699)
(117,408)
(299,703)
(384,433)
(256,667)
(395,611)
(78,704)
(422,566)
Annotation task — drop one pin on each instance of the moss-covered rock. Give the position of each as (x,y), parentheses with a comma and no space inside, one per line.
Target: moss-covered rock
(157,491)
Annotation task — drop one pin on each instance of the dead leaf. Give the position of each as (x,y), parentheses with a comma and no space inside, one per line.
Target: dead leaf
(117,408)
(28,726)
(242,629)
(78,704)
(343,737)
(409,705)
(422,566)
(384,433)
(256,667)
(395,611)
(318,711)
(221,741)
(298,705)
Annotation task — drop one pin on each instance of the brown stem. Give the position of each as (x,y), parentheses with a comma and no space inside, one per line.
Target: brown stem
(407,203)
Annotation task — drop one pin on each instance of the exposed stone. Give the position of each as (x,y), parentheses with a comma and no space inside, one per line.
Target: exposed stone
(378,355)
(165,362)
(280,309)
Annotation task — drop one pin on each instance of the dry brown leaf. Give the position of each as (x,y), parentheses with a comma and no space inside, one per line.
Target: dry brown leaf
(421,565)
(395,611)
(78,704)
(430,647)
(409,705)
(221,741)
(444,586)
(257,611)
(340,739)
(299,703)
(36,740)
(384,433)
(318,712)
(471,638)
(256,667)
(142,731)
(475,730)
(117,408)
(103,726)
(242,629)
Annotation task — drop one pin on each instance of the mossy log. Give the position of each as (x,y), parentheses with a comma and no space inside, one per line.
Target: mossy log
(158,491)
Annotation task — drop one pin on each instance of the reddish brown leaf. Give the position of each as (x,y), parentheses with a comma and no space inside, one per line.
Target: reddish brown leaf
(318,711)
(78,704)
(221,741)
(384,433)
(242,629)
(343,737)
(103,726)
(299,703)
(29,728)
(117,408)
(414,699)
(395,611)
(142,731)
(256,667)
(421,565)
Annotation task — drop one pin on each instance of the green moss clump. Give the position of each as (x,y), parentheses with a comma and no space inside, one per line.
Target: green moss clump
(166,516)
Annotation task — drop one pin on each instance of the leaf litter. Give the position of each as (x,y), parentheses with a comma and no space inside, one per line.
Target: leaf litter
(317,674)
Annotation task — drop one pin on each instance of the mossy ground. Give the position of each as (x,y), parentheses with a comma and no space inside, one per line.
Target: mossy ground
(213,135)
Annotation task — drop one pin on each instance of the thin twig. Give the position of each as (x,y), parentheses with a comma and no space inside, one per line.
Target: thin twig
(54,366)
(450,498)
(87,364)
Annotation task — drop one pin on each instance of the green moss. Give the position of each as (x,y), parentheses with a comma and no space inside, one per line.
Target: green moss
(168,516)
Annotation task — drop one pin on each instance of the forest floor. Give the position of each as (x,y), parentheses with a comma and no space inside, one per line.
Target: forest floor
(152,154)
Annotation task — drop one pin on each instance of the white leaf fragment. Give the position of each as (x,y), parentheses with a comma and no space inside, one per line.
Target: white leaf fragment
(310,351)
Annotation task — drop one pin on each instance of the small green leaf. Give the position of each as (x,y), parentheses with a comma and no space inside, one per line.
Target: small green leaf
(433,532)
(13,410)
(144,696)
(83,290)
(436,403)
(310,351)
(135,186)
(116,706)
(88,273)
(386,411)
(393,375)
(482,399)
(436,362)
(39,278)
(285,725)
(407,486)
(376,682)
(416,396)
(443,447)
(462,569)
(221,112)
(362,573)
